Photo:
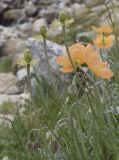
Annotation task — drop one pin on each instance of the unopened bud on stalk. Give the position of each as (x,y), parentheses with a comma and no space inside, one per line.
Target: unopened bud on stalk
(27,56)
(62,17)
(27,59)
(43,32)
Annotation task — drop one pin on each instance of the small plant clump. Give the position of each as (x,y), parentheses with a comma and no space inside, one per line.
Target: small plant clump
(6,64)
(7,107)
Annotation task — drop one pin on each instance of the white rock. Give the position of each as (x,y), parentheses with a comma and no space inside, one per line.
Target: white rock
(30,9)
(20,46)
(78,9)
(5,158)
(16,99)
(14,14)
(22,74)
(6,80)
(25,27)
(38,23)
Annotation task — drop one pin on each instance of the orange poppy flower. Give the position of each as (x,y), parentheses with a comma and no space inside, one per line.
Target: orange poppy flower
(77,54)
(102,41)
(103,29)
(80,55)
(96,65)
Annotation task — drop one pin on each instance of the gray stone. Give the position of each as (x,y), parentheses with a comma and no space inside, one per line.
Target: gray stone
(14,14)
(13,90)
(91,3)
(78,9)
(7,1)
(53,50)
(10,46)
(20,46)
(2,42)
(49,13)
(22,74)
(2,7)
(6,80)
(17,99)
(5,158)
(30,9)
(38,23)
(25,27)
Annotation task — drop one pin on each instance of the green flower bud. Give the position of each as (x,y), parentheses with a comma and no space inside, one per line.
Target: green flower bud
(62,17)
(76,63)
(27,56)
(27,59)
(43,31)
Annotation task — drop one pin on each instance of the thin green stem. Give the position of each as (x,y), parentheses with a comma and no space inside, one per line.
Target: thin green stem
(18,138)
(67,49)
(81,85)
(30,91)
(112,23)
(46,55)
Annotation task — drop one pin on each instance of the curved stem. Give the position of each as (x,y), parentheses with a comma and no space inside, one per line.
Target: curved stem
(17,135)
(67,49)
(46,55)
(81,85)
(30,91)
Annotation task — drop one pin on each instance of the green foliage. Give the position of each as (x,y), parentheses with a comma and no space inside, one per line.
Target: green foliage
(6,64)
(87,129)
(7,107)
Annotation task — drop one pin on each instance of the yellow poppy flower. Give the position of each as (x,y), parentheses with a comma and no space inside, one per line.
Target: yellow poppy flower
(102,29)
(102,41)
(77,54)
(96,65)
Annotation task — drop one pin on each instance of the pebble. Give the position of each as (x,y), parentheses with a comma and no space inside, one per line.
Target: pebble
(38,23)
(6,80)
(14,14)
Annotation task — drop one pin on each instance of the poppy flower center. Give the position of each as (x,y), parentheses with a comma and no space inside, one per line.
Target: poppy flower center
(76,63)
(103,39)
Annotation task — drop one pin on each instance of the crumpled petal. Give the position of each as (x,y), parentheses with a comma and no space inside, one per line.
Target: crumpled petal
(67,69)
(77,54)
(104,42)
(102,29)
(63,61)
(96,65)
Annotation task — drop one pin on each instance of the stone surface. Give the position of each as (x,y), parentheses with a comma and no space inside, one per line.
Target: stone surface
(16,99)
(53,50)
(93,2)
(2,44)
(25,27)
(10,47)
(6,80)
(49,14)
(38,23)
(2,7)
(30,9)
(13,14)
(21,74)
(13,89)
(20,46)
(79,9)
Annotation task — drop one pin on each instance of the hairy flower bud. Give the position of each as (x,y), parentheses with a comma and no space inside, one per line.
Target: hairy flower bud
(62,17)
(43,32)
(27,56)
